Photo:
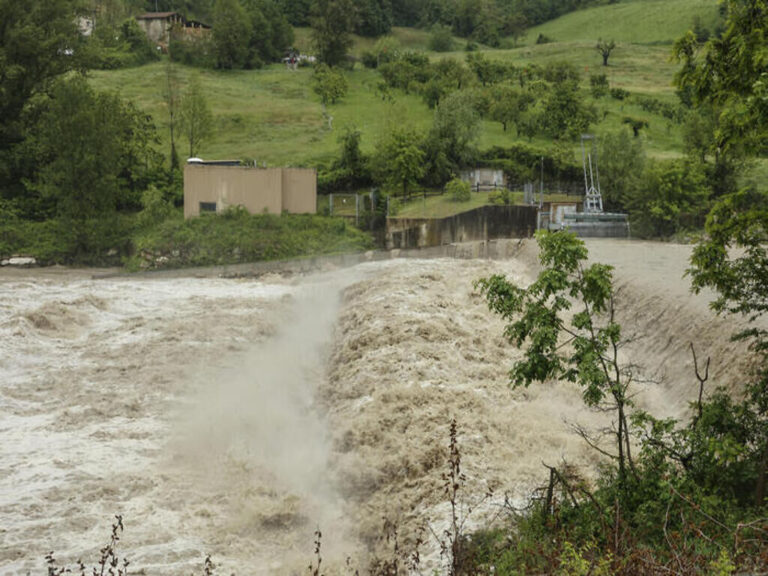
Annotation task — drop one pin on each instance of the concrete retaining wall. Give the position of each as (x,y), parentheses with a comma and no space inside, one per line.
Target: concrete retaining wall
(484,223)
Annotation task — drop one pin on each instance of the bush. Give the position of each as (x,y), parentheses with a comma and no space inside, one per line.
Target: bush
(542,39)
(155,208)
(237,236)
(459,190)
(501,197)
(599,85)
(655,106)
(619,94)
(369,59)
(671,192)
(441,39)
(192,50)
(522,162)
(122,47)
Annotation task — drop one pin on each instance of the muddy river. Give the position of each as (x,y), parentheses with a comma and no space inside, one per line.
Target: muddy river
(233,417)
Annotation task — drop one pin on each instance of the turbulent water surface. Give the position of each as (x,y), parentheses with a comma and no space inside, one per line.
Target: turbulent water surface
(233,417)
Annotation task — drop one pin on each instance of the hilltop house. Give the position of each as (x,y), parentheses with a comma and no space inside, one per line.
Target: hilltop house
(216,186)
(157,25)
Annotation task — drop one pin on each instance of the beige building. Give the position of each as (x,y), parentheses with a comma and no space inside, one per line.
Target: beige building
(212,187)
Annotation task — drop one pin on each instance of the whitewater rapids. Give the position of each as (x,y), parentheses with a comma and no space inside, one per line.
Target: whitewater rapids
(233,417)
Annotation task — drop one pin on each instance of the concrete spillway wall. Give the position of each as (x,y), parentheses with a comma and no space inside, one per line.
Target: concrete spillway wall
(484,223)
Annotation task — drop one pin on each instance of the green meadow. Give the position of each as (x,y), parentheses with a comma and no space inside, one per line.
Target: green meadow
(272,116)
(629,21)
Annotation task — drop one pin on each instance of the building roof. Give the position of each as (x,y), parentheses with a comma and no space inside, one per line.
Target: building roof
(156,15)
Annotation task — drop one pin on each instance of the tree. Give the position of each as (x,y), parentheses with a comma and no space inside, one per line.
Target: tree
(670,191)
(296,11)
(459,190)
(271,33)
(195,116)
(599,85)
(374,17)
(399,160)
(733,261)
(636,124)
(728,76)
(87,143)
(487,71)
(352,170)
(508,105)
(467,17)
(605,47)
(171,97)
(333,22)
(728,73)
(622,164)
(440,39)
(331,86)
(581,347)
(352,157)
(456,128)
(565,115)
(36,42)
(514,24)
(231,34)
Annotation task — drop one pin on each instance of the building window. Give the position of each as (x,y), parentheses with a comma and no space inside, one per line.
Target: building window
(207,206)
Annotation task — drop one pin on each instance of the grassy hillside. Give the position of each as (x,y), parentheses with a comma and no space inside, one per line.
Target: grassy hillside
(273,116)
(270,115)
(636,21)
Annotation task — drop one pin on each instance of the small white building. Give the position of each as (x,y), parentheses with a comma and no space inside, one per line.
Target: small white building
(484,178)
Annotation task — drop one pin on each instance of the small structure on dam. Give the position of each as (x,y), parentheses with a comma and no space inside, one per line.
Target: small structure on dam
(592,221)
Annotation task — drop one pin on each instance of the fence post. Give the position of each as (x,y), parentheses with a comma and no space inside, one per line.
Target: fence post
(357,209)
(330,204)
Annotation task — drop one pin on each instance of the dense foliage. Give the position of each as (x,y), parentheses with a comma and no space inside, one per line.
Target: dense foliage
(37,41)
(236,236)
(691,499)
(485,21)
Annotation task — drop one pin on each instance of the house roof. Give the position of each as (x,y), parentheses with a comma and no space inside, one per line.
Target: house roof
(156,15)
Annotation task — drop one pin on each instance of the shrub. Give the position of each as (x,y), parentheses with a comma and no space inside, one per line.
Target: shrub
(599,85)
(192,50)
(501,197)
(155,208)
(237,236)
(671,191)
(619,93)
(459,190)
(441,39)
(369,59)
